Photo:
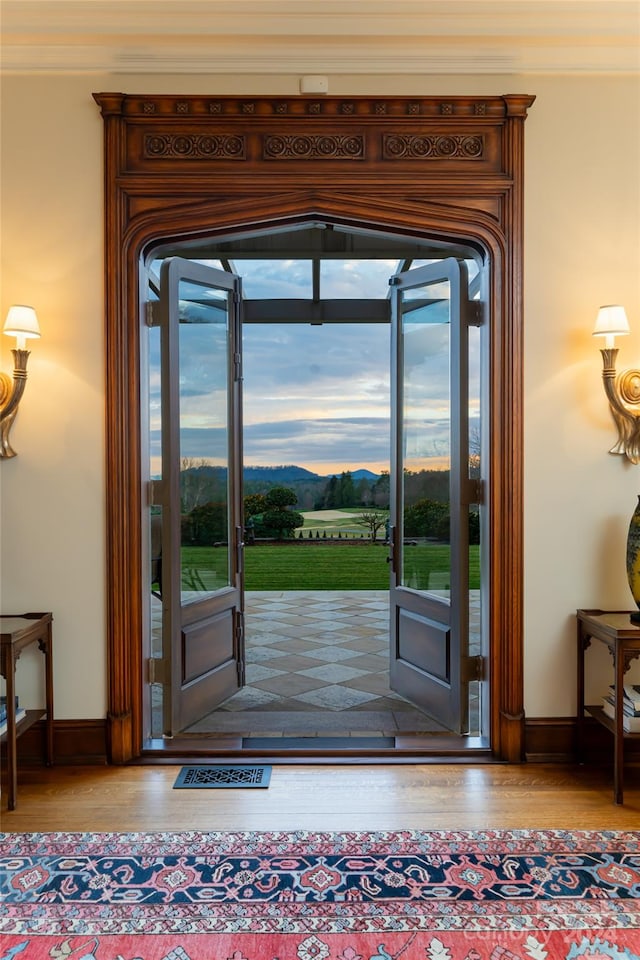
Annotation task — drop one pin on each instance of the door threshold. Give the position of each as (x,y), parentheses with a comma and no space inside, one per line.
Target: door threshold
(309,750)
(356,744)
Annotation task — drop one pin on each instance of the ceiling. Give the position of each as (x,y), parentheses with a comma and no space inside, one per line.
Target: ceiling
(326,37)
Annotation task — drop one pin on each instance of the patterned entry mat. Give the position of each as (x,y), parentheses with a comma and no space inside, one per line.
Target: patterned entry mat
(214,776)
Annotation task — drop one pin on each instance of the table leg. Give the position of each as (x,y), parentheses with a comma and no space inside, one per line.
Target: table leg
(618,755)
(582,645)
(12,760)
(48,655)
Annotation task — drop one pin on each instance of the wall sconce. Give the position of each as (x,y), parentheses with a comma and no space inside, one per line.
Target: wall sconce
(21,323)
(622,389)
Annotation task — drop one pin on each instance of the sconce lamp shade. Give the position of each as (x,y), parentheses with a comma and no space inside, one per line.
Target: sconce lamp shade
(21,322)
(611,322)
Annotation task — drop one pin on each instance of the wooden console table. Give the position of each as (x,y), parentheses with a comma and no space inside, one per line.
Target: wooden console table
(622,637)
(16,633)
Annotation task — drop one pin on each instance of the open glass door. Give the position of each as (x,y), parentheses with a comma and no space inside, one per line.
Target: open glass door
(201,535)
(429,588)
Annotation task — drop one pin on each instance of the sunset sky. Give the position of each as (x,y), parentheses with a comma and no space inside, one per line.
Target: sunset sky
(314,396)
(317,396)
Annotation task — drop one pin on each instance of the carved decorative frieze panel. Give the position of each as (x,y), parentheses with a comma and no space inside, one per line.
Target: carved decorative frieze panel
(418,147)
(196,147)
(158,133)
(319,147)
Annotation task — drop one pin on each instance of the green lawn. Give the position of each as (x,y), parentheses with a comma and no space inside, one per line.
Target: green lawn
(321,566)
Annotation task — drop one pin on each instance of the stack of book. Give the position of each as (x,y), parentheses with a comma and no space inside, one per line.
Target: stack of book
(630,707)
(20,713)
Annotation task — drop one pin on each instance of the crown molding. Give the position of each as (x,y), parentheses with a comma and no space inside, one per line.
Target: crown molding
(301,36)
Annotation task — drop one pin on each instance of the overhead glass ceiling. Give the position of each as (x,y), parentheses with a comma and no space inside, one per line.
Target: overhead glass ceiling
(318,262)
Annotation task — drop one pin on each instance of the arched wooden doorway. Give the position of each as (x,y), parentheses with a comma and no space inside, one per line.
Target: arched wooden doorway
(182,167)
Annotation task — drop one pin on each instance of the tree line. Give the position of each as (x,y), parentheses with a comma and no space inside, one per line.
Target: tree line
(202,483)
(276,512)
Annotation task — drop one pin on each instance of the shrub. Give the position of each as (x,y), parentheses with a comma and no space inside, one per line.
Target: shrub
(205,525)
(427,518)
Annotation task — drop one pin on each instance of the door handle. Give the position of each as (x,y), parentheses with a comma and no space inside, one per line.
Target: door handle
(239,550)
(391,558)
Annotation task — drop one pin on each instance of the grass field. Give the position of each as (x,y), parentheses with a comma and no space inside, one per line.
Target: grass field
(319,566)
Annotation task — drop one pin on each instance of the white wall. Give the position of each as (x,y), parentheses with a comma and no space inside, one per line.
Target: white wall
(582,249)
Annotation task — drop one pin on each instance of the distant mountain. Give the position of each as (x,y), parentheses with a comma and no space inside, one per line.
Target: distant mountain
(360,474)
(363,474)
(292,474)
(282,474)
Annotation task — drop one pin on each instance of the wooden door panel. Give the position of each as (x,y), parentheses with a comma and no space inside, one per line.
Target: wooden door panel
(199,639)
(424,644)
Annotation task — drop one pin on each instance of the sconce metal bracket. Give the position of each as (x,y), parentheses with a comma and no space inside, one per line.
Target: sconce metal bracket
(11,391)
(623,392)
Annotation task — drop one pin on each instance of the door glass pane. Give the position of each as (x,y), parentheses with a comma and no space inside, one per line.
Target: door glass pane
(153,580)
(204,439)
(426,427)
(154,447)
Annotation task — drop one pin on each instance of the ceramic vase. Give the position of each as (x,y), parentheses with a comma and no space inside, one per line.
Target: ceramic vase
(633,559)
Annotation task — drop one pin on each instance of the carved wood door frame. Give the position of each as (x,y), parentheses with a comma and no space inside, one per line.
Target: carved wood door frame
(179,167)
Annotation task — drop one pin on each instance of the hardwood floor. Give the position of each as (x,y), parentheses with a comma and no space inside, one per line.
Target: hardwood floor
(425,796)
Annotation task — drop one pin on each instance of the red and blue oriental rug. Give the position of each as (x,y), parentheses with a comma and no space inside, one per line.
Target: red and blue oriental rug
(443,895)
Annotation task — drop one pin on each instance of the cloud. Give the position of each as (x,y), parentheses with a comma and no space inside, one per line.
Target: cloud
(347,442)
(316,394)
(334,353)
(313,394)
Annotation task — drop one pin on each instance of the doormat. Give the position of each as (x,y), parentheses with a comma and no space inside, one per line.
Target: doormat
(212,776)
(318,743)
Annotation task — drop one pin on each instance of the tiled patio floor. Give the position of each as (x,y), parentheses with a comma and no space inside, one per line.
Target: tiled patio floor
(317,664)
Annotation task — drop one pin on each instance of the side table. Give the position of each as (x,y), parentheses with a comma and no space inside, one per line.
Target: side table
(17,633)
(622,637)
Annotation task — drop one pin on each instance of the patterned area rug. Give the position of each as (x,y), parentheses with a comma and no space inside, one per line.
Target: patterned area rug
(494,895)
